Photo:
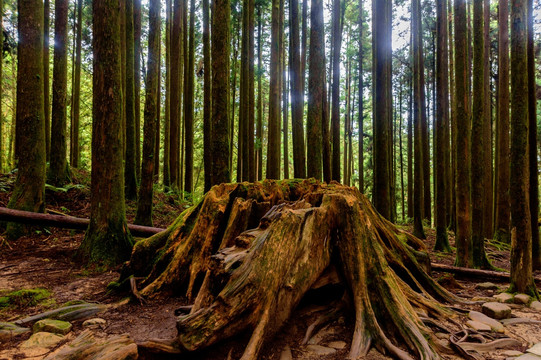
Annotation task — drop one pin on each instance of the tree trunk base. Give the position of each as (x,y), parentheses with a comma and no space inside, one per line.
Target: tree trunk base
(247,254)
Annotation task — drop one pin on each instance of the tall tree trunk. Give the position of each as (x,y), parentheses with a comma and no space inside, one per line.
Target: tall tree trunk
(46,93)
(168,78)
(107,240)
(418,181)
(123,71)
(220,172)
(184,86)
(316,94)
(452,91)
(521,233)
(76,92)
(532,143)
(297,96)
(144,201)
(137,90)
(400,131)
(488,224)
(477,144)
(382,60)
(424,128)
(410,144)
(240,139)
(285,112)
(259,131)
(158,117)
(502,211)
(335,115)
(58,169)
(273,149)
(188,104)
(207,98)
(29,190)
(129,171)
(175,97)
(242,152)
(304,40)
(251,92)
(361,97)
(441,127)
(462,174)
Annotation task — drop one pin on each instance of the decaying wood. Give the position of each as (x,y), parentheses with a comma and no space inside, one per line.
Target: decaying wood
(247,254)
(476,273)
(66,222)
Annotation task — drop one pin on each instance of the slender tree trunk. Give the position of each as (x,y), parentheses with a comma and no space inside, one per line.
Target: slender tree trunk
(107,240)
(400,130)
(184,86)
(502,211)
(251,93)
(129,171)
(188,104)
(424,129)
(463,190)
(158,117)
(477,144)
(168,77)
(207,98)
(441,126)
(532,143)
(240,139)
(304,40)
(46,94)
(29,190)
(259,131)
(382,60)
(175,97)
(144,203)
(316,92)
(285,112)
(137,90)
(453,128)
(273,150)
(410,145)
(242,153)
(220,88)
(335,115)
(417,122)
(58,170)
(123,71)
(76,92)
(361,97)
(521,233)
(488,224)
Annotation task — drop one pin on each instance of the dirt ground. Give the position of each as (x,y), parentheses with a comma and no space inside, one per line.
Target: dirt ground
(44,259)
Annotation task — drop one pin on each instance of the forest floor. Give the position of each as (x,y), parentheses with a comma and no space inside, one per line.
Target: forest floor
(43,260)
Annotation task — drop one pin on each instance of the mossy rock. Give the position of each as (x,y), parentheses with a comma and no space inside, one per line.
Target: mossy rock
(52,326)
(24,298)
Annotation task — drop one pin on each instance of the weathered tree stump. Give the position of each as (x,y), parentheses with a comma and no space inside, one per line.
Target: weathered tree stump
(247,254)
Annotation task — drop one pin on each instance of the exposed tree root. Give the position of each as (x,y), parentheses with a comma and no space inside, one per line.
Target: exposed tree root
(247,254)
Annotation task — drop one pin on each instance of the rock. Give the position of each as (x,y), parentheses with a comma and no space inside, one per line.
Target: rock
(528,357)
(119,347)
(42,340)
(7,330)
(536,349)
(496,310)
(338,345)
(321,334)
(478,326)
(504,298)
(95,322)
(320,350)
(487,286)
(52,326)
(536,305)
(286,353)
(522,299)
(482,318)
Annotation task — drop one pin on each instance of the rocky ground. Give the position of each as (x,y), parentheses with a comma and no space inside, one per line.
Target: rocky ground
(38,275)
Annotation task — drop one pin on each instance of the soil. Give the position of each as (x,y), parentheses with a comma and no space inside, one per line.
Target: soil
(44,259)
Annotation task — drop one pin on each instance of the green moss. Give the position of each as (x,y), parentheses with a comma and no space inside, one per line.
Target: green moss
(24,298)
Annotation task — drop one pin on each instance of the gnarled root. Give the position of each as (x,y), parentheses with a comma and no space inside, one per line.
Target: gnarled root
(247,276)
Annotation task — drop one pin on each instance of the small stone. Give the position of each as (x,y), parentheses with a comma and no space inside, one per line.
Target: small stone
(320,350)
(52,326)
(536,305)
(536,349)
(478,326)
(487,286)
(42,340)
(338,345)
(98,322)
(504,298)
(482,318)
(286,353)
(522,299)
(323,333)
(496,310)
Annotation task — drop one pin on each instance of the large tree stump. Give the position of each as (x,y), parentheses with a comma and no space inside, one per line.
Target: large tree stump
(247,253)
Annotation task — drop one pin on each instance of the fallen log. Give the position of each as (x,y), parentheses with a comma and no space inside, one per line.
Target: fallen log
(477,273)
(65,222)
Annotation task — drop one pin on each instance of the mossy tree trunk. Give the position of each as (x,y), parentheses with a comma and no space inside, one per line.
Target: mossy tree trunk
(107,240)
(58,169)
(76,92)
(247,253)
(29,191)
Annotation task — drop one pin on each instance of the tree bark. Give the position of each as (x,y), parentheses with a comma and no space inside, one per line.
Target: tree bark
(259,131)
(29,190)
(168,76)
(207,98)
(46,86)
(335,96)
(107,240)
(58,173)
(488,180)
(361,97)
(130,157)
(175,98)
(137,90)
(75,150)
(188,104)
(144,201)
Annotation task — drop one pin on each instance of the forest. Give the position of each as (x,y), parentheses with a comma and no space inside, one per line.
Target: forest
(270,179)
